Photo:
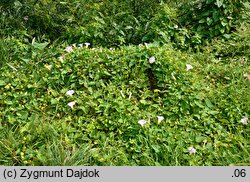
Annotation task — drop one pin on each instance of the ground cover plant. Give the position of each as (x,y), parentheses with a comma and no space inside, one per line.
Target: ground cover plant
(147,90)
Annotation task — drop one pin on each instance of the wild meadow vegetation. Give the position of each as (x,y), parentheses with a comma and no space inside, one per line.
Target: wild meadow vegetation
(132,82)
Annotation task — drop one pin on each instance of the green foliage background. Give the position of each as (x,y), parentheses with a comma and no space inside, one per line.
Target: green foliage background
(202,107)
(115,23)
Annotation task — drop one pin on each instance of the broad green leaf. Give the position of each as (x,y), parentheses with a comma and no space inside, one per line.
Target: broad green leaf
(247,5)
(209,21)
(54,101)
(227,36)
(198,103)
(208,103)
(199,139)
(2,83)
(143,101)
(40,46)
(219,3)
(156,148)
(223,23)
(202,20)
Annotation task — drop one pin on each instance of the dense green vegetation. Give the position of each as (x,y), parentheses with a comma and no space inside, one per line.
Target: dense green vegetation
(133,82)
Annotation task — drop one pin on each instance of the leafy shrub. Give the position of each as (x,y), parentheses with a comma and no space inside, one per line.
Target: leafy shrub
(112,23)
(115,23)
(105,23)
(233,47)
(4,54)
(211,18)
(31,18)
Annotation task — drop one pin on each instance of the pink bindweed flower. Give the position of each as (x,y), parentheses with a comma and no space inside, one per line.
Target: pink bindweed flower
(244,120)
(26,18)
(70,92)
(152,60)
(191,150)
(69,49)
(61,58)
(160,118)
(247,76)
(71,104)
(87,44)
(189,67)
(142,122)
